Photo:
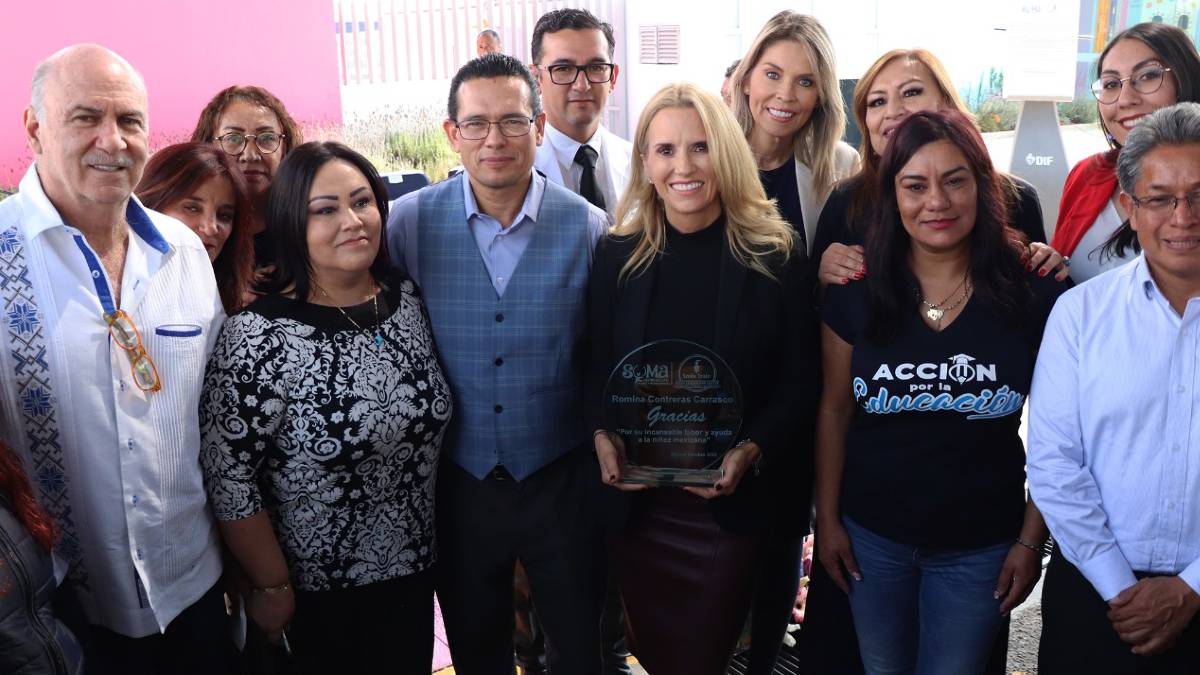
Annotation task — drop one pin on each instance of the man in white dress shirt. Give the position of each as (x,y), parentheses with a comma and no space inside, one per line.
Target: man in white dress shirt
(573,62)
(1114,430)
(112,310)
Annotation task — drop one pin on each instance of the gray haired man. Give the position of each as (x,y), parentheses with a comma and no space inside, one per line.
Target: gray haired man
(1114,434)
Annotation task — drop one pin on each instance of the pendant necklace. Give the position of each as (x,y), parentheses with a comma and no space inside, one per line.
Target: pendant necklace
(374,303)
(936,310)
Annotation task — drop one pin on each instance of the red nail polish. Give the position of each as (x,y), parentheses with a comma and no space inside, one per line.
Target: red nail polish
(858,275)
(1042,273)
(845,281)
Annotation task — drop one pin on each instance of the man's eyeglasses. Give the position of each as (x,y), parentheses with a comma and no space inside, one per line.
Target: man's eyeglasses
(566,73)
(1144,80)
(478,129)
(127,337)
(1160,207)
(234,142)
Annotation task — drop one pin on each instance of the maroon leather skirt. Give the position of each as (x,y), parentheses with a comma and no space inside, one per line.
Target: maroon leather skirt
(686,584)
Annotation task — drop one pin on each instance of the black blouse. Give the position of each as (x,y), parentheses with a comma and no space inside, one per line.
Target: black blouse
(335,434)
(686,285)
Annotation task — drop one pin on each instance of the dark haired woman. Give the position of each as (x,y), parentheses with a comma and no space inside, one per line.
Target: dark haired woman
(896,85)
(254,128)
(322,418)
(920,468)
(197,184)
(32,641)
(1144,68)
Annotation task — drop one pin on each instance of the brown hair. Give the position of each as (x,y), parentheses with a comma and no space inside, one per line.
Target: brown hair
(865,194)
(206,126)
(172,174)
(14,486)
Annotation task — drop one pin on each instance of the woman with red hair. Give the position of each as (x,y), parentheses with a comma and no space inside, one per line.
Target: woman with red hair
(32,641)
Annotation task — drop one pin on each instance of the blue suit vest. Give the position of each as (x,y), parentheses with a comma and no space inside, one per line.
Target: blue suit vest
(514,362)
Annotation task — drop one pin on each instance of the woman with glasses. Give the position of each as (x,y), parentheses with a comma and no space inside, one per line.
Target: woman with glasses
(785,95)
(197,184)
(254,128)
(921,501)
(700,254)
(322,418)
(1143,68)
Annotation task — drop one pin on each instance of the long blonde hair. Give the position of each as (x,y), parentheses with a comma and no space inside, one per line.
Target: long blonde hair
(753,227)
(814,143)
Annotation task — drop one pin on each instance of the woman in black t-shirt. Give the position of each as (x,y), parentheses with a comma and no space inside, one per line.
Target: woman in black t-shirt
(927,365)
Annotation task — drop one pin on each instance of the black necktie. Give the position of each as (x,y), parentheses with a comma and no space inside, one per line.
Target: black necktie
(588,188)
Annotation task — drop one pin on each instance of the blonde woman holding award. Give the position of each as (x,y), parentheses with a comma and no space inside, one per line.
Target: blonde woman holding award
(698,255)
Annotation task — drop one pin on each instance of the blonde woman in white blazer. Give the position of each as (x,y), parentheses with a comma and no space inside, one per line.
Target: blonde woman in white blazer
(788,102)
(786,97)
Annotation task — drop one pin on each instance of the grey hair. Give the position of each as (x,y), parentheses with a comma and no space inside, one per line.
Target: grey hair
(489,31)
(37,96)
(1174,125)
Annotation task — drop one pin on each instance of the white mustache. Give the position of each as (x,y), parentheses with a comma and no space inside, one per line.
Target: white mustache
(122,162)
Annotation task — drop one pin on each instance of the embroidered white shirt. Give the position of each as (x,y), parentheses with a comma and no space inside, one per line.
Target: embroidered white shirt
(147,542)
(1114,430)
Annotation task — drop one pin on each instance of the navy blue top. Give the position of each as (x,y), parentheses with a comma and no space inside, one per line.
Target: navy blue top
(780,185)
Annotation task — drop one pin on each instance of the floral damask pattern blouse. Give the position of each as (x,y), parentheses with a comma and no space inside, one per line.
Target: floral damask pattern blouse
(334,431)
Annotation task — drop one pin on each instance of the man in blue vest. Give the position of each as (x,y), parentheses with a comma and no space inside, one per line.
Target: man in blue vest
(502,257)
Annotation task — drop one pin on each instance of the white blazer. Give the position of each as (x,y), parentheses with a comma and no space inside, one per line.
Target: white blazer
(618,153)
(845,162)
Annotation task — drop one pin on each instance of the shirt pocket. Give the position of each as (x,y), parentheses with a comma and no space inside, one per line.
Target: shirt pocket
(177,350)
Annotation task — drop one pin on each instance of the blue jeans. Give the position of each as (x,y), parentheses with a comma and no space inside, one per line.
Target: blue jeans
(922,611)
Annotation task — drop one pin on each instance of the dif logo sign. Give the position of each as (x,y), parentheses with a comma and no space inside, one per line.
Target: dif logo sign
(1039,160)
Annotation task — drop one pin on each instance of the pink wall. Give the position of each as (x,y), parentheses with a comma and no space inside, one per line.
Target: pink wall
(287,46)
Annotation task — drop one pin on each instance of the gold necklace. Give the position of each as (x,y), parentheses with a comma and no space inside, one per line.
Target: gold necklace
(374,303)
(935,310)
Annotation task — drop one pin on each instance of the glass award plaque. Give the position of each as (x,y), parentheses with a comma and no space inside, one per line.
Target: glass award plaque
(677,408)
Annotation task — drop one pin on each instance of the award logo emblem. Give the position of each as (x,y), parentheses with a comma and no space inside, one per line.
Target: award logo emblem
(676,407)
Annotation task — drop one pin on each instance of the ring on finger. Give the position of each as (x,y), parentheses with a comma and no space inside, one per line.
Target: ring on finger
(1066,261)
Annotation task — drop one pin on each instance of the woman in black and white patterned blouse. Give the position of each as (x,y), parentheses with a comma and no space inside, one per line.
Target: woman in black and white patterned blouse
(323,413)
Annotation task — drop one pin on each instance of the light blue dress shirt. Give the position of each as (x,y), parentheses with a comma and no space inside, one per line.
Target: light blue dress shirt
(499,247)
(1114,430)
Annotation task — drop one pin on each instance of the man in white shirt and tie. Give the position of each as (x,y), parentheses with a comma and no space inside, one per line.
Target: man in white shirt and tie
(1114,429)
(573,62)
(112,311)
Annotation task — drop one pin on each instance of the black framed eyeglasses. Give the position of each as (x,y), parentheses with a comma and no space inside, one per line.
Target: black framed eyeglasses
(566,73)
(234,142)
(478,129)
(1162,206)
(1144,80)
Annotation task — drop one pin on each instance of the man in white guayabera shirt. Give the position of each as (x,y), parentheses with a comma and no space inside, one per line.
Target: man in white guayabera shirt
(1114,429)
(111,310)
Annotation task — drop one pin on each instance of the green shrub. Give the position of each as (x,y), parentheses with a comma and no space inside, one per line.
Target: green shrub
(425,149)
(1082,110)
(996,114)
(406,137)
